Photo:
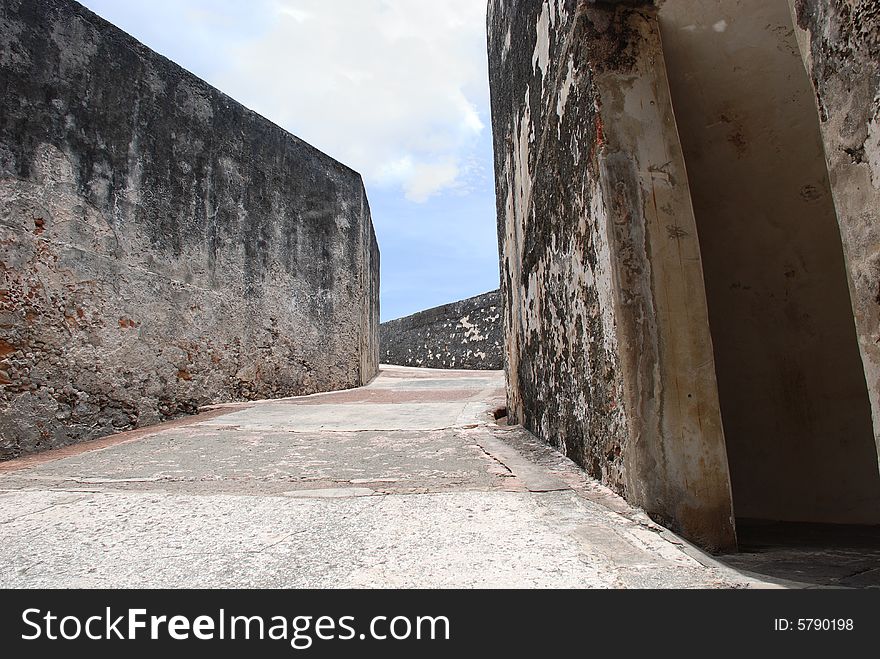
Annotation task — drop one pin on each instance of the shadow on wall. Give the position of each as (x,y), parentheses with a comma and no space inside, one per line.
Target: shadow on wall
(794,400)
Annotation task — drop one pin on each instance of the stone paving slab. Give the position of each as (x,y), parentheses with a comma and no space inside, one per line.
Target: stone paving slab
(345,417)
(471,539)
(335,493)
(244,461)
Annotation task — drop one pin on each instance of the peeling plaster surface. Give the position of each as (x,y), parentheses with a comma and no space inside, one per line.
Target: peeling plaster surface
(162,246)
(840,43)
(465,334)
(607,347)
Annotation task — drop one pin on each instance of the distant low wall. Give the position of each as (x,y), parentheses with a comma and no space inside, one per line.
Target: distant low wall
(162,247)
(465,334)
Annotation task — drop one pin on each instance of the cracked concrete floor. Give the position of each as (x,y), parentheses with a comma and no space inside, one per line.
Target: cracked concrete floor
(408,482)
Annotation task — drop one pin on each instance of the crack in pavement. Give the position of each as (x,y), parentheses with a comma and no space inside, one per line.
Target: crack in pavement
(37,512)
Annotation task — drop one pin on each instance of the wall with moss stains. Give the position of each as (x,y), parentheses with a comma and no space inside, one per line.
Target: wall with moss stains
(162,246)
(609,351)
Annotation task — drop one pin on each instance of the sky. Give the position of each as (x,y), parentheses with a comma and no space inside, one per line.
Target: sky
(396,89)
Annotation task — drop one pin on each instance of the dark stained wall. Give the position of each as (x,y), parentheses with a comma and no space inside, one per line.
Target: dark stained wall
(163,247)
(464,334)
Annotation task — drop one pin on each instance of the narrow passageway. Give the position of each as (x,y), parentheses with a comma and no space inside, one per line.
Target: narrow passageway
(408,482)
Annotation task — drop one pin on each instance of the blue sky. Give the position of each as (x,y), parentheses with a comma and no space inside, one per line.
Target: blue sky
(396,89)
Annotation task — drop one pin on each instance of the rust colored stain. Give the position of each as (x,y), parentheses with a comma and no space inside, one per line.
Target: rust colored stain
(599,143)
(36,459)
(39,226)
(183,374)
(6,348)
(127,323)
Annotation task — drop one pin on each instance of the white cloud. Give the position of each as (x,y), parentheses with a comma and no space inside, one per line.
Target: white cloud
(428,178)
(394,88)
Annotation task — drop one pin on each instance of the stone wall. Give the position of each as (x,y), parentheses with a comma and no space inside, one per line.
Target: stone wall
(163,247)
(607,344)
(465,334)
(840,44)
(614,194)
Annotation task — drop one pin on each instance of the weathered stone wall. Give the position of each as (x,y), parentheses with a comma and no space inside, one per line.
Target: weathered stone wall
(840,44)
(464,334)
(163,247)
(607,345)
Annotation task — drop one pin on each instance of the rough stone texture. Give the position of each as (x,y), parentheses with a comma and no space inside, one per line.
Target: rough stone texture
(162,246)
(607,344)
(840,42)
(465,334)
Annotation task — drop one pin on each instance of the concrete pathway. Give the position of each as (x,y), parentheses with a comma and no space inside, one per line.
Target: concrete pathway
(408,482)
